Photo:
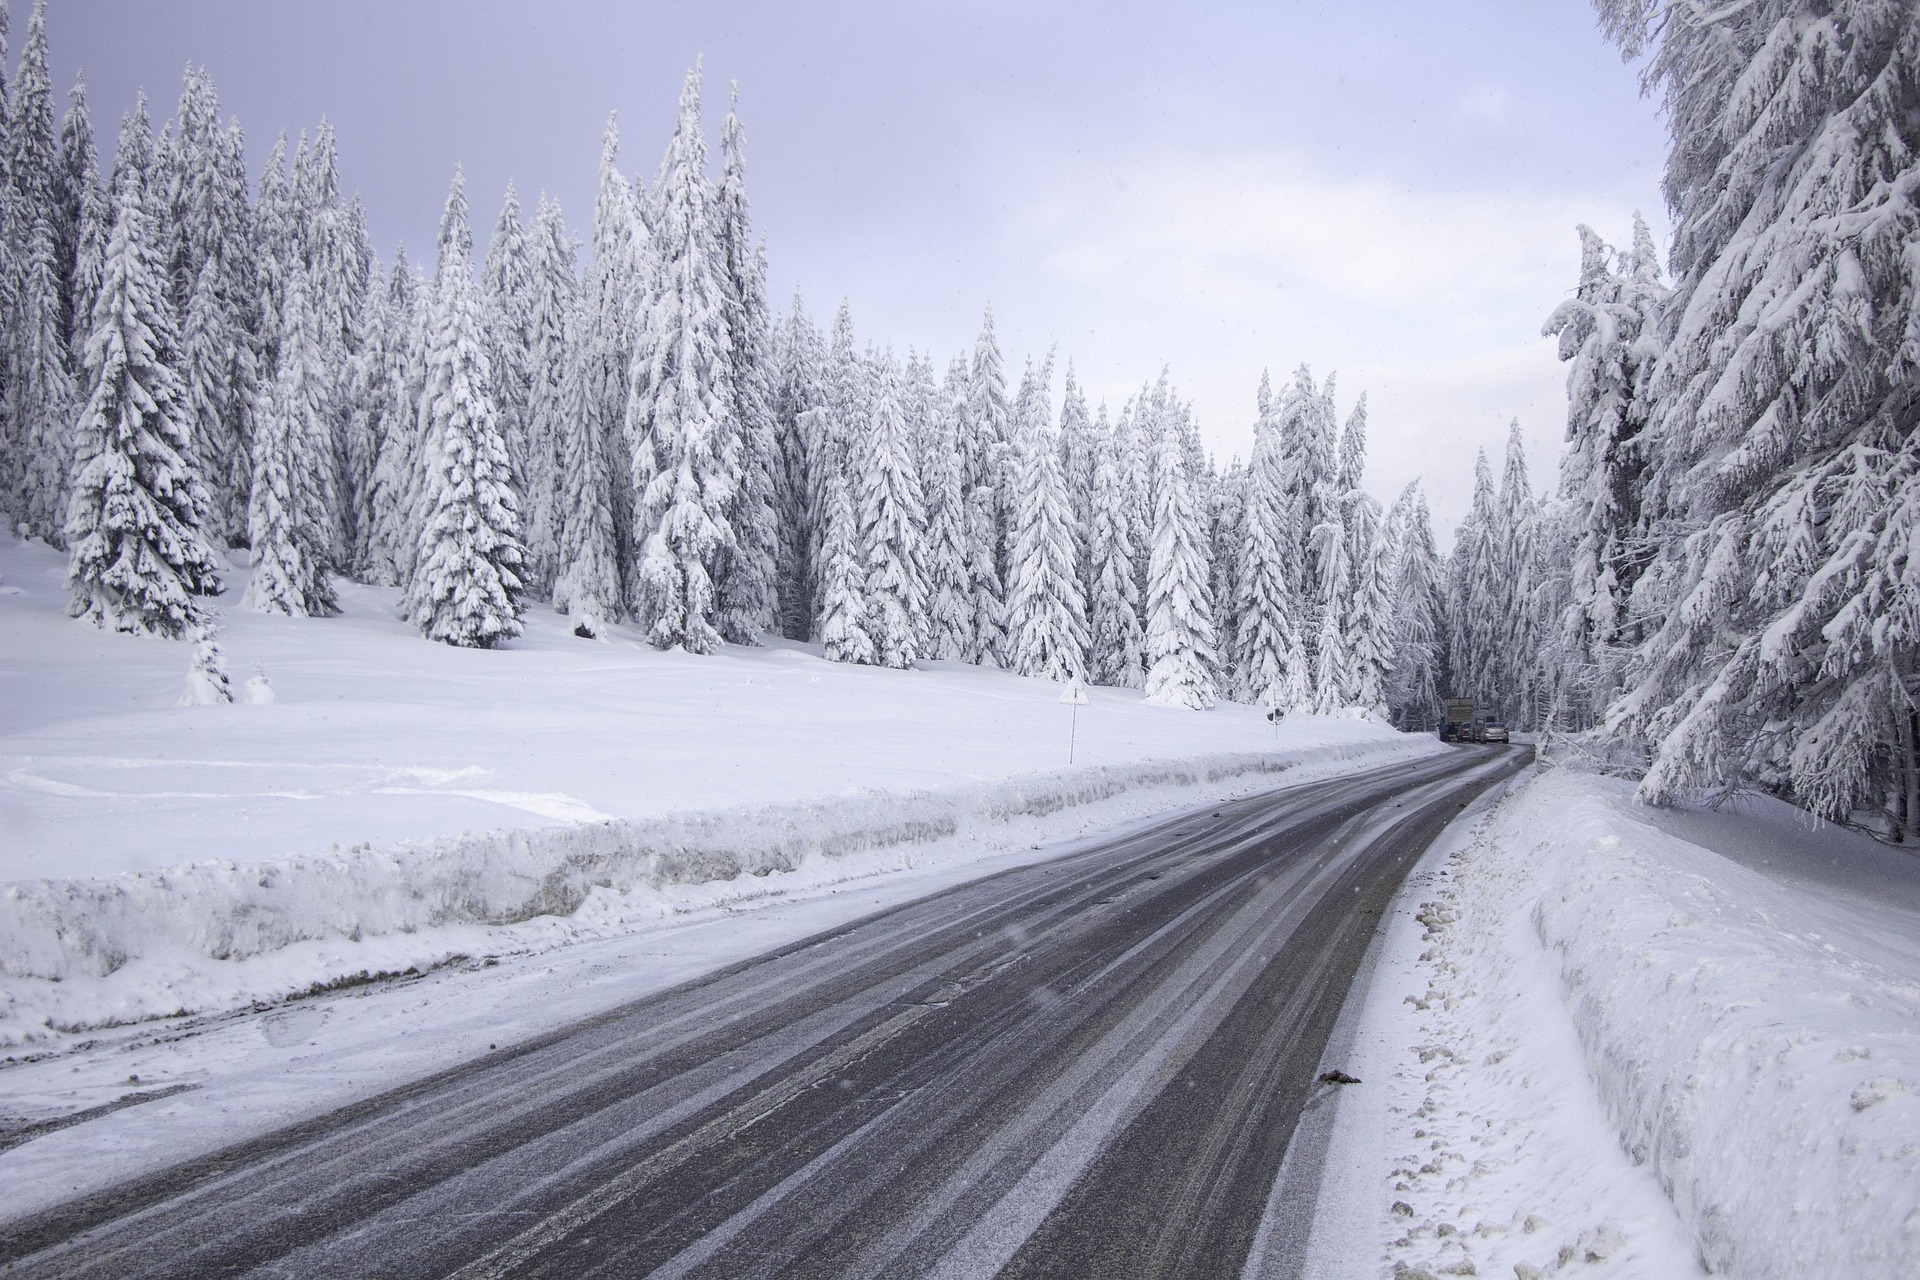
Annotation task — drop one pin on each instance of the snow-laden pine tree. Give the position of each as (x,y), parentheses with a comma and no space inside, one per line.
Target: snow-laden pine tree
(286,525)
(1079,454)
(1226,513)
(553,296)
(1332,657)
(1270,662)
(613,300)
(367,418)
(34,365)
(393,538)
(983,440)
(749,576)
(1116,645)
(1369,613)
(465,587)
(1516,532)
(79,225)
(1782,488)
(842,616)
(507,278)
(211,269)
(1475,596)
(137,557)
(1309,450)
(1179,631)
(892,526)
(949,598)
(827,433)
(1609,338)
(1046,614)
(1417,630)
(798,405)
(681,423)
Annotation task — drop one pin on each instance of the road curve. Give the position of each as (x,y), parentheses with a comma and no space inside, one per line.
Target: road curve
(1088,1067)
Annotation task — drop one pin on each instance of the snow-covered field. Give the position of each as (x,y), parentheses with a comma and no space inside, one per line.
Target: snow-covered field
(1599,1048)
(401,803)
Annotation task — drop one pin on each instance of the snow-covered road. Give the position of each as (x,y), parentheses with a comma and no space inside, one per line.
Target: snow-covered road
(1086,1064)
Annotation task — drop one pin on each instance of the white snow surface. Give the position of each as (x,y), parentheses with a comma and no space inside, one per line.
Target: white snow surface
(402,804)
(1600,1049)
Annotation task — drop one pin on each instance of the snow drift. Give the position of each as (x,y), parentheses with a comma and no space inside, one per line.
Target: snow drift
(1758,1045)
(82,931)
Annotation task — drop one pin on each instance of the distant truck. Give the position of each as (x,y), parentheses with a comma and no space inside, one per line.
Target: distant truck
(1465,723)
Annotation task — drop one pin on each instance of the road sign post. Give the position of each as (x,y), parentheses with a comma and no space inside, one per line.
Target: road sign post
(1075,696)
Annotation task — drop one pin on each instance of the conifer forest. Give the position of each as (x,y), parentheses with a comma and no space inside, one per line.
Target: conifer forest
(610,418)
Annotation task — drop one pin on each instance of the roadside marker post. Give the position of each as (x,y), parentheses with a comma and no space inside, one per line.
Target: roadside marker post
(1075,696)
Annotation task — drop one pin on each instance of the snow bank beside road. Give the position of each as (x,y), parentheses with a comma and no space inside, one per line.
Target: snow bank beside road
(1757,1045)
(1601,1049)
(89,952)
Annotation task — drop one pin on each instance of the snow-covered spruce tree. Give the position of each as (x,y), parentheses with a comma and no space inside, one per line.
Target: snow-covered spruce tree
(681,425)
(892,519)
(1309,450)
(368,386)
(949,600)
(1046,614)
(211,271)
(39,397)
(41,388)
(828,432)
(797,406)
(137,558)
(1475,595)
(1226,513)
(749,594)
(983,439)
(286,527)
(79,224)
(507,277)
(843,607)
(1416,634)
(1116,645)
(1270,663)
(393,538)
(1782,437)
(1179,639)
(1369,609)
(1079,449)
(1516,531)
(465,585)
(1608,334)
(554,294)
(612,301)
(1332,658)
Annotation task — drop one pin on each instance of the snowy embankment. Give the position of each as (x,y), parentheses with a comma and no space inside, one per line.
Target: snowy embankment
(1606,1050)
(401,804)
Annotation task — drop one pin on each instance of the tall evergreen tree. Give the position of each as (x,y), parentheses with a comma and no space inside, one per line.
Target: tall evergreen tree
(1417,634)
(892,520)
(613,301)
(1781,492)
(843,607)
(1270,664)
(749,576)
(553,296)
(1369,612)
(78,233)
(393,536)
(1332,658)
(949,596)
(984,447)
(798,406)
(137,556)
(465,587)
(286,521)
(1115,641)
(508,279)
(681,426)
(1046,613)
(1179,640)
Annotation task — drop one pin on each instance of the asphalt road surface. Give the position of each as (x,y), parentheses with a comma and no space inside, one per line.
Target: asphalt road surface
(1090,1067)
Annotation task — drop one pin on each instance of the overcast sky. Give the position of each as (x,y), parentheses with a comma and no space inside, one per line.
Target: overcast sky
(1388,190)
